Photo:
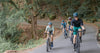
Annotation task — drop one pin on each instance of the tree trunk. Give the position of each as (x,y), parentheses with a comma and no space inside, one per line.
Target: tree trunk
(34,26)
(34,20)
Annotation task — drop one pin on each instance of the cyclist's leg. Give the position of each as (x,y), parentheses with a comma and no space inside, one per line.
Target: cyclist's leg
(74,39)
(47,34)
(51,39)
(70,31)
(75,34)
(80,33)
(65,31)
(80,29)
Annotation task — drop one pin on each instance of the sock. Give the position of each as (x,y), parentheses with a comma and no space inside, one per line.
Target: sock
(80,38)
(74,46)
(51,42)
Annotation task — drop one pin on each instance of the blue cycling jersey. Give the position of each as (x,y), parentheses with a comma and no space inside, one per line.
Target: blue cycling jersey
(64,24)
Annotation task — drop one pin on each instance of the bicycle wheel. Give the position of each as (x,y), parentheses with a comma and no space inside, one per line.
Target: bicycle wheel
(65,35)
(48,45)
(71,38)
(78,45)
(78,48)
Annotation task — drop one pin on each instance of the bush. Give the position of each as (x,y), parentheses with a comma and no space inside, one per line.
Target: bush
(98,20)
(6,45)
(52,16)
(93,20)
(70,11)
(9,29)
(42,15)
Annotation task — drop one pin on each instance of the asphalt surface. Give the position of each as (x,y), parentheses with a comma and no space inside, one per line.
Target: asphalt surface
(61,45)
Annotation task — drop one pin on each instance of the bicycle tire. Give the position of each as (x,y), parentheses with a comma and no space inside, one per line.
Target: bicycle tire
(48,45)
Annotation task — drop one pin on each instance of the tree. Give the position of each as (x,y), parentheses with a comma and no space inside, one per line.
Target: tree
(34,9)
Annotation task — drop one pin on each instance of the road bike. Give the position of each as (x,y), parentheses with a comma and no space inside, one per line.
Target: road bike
(78,41)
(48,43)
(65,33)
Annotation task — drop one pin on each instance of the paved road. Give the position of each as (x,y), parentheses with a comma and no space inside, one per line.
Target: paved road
(62,45)
(55,23)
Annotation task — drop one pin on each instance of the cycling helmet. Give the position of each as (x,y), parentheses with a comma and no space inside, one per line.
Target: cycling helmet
(75,14)
(50,23)
(62,20)
(69,18)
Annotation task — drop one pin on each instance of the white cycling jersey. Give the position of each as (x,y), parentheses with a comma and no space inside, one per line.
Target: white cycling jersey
(49,28)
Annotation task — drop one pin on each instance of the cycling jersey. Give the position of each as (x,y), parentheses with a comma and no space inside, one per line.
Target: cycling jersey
(49,29)
(69,22)
(77,23)
(64,24)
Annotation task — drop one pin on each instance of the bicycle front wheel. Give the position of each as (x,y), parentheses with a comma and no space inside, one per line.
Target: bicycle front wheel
(48,45)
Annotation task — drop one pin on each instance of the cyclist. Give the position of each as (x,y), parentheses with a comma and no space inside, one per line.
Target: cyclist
(77,25)
(63,25)
(50,32)
(69,24)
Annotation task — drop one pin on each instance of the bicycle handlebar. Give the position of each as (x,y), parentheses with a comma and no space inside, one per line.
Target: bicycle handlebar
(47,33)
(77,31)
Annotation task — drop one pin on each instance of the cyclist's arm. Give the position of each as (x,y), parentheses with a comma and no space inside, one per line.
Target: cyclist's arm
(61,25)
(67,24)
(82,25)
(72,24)
(46,29)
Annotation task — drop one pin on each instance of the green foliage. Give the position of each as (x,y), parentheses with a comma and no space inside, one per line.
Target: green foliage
(6,45)
(52,16)
(70,11)
(30,44)
(42,15)
(9,26)
(85,8)
(98,13)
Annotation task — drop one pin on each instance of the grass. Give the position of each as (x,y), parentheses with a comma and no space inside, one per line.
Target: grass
(31,44)
(11,46)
